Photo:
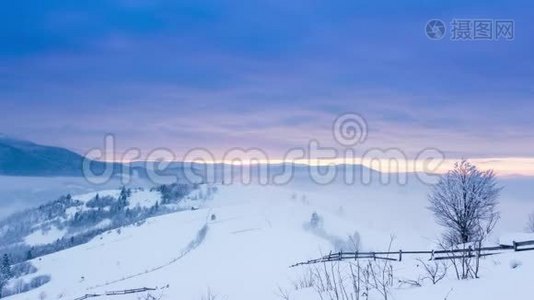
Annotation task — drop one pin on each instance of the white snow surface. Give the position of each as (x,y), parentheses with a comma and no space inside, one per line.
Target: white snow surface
(257,232)
(43,237)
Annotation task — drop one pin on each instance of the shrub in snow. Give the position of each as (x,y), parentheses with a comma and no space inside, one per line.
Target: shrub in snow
(39,281)
(530,224)
(514,264)
(209,295)
(306,280)
(149,296)
(351,244)
(316,221)
(23,268)
(355,280)
(355,242)
(100,202)
(434,270)
(172,193)
(20,286)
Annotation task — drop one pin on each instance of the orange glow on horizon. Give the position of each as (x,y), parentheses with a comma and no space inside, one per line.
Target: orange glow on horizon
(508,166)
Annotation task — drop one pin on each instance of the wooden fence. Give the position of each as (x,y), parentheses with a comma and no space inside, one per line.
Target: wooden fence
(434,254)
(116,293)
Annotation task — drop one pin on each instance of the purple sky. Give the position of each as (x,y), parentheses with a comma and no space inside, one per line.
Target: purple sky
(266,74)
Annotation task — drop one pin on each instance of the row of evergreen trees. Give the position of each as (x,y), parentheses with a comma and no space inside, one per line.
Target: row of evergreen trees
(5,272)
(82,226)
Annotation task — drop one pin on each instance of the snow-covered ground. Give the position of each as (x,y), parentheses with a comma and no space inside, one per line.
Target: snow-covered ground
(240,244)
(43,237)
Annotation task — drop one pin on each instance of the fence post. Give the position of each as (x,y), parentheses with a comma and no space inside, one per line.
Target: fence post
(515,245)
(400,255)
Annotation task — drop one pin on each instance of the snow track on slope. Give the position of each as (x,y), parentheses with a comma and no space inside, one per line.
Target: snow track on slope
(196,242)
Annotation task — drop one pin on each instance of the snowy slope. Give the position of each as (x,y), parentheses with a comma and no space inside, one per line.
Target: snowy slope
(239,245)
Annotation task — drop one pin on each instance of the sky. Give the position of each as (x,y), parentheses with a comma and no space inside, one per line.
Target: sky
(272,75)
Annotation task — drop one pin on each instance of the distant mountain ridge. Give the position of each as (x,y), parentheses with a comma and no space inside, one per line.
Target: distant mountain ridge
(24,158)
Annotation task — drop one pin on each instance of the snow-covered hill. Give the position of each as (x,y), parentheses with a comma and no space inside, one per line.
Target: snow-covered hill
(241,242)
(73,220)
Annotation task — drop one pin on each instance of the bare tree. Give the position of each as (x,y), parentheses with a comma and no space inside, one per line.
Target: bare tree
(434,270)
(464,201)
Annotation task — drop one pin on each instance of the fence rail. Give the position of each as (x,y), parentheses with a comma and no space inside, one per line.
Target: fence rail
(518,245)
(116,293)
(434,254)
